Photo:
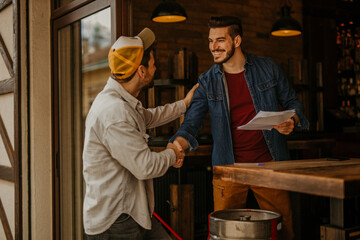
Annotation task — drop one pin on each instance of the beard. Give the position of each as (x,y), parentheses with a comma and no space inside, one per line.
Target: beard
(149,85)
(229,54)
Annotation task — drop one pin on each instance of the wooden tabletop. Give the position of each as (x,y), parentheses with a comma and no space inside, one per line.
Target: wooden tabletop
(338,179)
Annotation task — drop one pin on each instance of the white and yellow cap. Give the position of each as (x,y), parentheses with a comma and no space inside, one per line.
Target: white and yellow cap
(126,53)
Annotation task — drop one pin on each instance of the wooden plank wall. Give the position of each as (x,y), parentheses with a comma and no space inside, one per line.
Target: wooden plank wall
(8,86)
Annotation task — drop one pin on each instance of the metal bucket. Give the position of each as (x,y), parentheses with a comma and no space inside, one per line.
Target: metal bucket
(245,224)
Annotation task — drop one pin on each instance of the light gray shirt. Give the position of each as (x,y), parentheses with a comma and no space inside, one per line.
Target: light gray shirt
(118,165)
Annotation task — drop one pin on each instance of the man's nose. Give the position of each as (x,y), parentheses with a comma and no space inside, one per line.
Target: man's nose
(213,46)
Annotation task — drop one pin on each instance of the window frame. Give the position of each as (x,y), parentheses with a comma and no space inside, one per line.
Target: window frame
(121,24)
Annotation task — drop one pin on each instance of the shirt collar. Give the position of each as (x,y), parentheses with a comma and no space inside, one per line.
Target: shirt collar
(133,101)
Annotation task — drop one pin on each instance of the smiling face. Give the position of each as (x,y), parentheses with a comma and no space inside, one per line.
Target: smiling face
(221,44)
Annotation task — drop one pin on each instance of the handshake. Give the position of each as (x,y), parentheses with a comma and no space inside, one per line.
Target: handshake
(179,146)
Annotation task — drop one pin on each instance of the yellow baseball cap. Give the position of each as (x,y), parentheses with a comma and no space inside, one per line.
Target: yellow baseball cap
(126,53)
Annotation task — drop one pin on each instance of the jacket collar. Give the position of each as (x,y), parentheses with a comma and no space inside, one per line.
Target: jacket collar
(248,59)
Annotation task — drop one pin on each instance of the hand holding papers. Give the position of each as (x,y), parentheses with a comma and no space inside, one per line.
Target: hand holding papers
(267,120)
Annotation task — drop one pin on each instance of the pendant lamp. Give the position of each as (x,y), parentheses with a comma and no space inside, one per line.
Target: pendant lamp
(169,11)
(286,26)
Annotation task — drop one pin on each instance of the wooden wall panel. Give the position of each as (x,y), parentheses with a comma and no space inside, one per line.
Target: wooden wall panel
(6,56)
(5,222)
(10,204)
(4,4)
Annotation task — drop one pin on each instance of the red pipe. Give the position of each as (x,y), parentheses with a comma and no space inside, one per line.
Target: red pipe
(167,226)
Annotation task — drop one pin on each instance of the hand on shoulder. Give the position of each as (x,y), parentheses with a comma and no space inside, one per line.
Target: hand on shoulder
(190,95)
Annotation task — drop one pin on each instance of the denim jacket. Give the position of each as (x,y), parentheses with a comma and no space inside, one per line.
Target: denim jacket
(269,89)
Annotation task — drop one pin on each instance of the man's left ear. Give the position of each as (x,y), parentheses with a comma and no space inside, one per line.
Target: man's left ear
(141,70)
(237,41)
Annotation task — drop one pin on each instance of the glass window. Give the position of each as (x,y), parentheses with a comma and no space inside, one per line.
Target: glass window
(82,72)
(96,42)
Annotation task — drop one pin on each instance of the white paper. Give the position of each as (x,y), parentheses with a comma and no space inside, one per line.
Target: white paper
(265,120)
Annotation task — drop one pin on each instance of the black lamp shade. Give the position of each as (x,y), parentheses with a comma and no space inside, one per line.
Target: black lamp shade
(286,26)
(169,11)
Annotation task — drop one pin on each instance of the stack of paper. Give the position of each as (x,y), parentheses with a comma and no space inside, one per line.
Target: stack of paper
(265,120)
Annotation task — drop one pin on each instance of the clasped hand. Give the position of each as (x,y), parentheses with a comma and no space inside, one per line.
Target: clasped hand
(179,152)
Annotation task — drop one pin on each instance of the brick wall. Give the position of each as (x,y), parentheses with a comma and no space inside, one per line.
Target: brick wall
(257,17)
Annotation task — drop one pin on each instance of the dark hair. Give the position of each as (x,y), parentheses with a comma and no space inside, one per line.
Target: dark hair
(234,24)
(146,57)
(145,62)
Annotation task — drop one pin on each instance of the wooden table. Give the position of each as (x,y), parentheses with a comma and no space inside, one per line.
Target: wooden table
(338,180)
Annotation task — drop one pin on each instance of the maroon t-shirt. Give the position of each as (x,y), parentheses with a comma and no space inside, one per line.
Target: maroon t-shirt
(248,145)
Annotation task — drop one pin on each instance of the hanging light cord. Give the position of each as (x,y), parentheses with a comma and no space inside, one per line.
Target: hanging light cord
(167,226)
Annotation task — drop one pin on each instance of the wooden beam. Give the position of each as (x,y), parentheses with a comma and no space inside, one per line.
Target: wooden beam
(6,173)
(60,11)
(5,222)
(121,19)
(7,143)
(7,86)
(17,168)
(329,232)
(4,4)
(182,216)
(6,56)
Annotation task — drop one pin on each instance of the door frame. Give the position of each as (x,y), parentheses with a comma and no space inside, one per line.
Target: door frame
(61,17)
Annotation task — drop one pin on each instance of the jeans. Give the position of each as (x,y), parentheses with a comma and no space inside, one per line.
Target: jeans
(126,228)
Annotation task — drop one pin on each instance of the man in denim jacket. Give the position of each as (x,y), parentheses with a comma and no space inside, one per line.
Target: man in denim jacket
(233,90)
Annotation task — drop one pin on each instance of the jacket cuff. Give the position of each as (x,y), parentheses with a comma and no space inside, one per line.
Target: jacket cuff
(193,143)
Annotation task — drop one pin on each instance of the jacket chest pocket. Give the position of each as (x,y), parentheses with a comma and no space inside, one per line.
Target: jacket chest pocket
(268,97)
(216,102)
(264,86)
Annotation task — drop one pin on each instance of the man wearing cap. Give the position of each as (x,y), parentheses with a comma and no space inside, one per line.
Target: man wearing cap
(118,166)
